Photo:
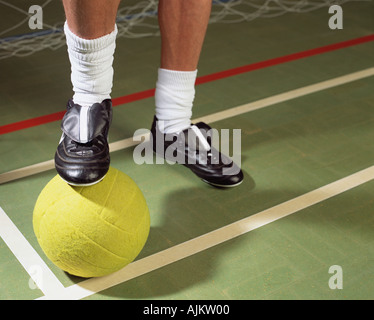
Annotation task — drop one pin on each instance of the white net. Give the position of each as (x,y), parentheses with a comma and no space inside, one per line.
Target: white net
(139,19)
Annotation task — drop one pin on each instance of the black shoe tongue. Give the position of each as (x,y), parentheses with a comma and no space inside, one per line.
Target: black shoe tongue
(203,125)
(93,121)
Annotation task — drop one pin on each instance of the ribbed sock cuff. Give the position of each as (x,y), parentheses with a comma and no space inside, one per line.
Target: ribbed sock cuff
(87,45)
(175,93)
(179,80)
(91,66)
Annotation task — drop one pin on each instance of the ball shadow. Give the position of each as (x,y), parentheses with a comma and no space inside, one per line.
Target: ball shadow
(185,214)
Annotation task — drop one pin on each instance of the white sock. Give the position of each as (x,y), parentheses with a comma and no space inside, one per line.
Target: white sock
(175,93)
(91,66)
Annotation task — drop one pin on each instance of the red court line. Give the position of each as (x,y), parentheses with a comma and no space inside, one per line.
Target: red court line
(200,80)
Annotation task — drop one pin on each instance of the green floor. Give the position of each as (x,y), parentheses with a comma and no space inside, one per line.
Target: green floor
(288,149)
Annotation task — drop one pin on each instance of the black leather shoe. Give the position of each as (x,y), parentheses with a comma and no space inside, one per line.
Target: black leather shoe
(82,157)
(193,148)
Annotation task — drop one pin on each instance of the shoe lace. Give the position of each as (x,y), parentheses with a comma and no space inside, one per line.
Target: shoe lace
(204,149)
(88,148)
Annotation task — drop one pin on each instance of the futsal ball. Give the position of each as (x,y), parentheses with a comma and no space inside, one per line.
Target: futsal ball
(92,231)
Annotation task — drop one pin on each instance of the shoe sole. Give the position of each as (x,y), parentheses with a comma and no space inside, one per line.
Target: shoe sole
(223,185)
(82,184)
(206,181)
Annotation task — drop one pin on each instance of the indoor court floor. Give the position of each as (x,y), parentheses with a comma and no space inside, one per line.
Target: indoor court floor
(300,226)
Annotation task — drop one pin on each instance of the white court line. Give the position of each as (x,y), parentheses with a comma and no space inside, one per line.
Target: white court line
(43,277)
(286,96)
(158,260)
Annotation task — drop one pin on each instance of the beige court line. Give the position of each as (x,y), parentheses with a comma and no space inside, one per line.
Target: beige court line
(129,142)
(186,249)
(35,266)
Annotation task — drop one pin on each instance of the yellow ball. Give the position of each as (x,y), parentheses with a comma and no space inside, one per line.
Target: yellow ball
(92,231)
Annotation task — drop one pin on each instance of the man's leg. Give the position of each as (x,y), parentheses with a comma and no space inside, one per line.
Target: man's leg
(82,157)
(91,31)
(183,26)
(91,19)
